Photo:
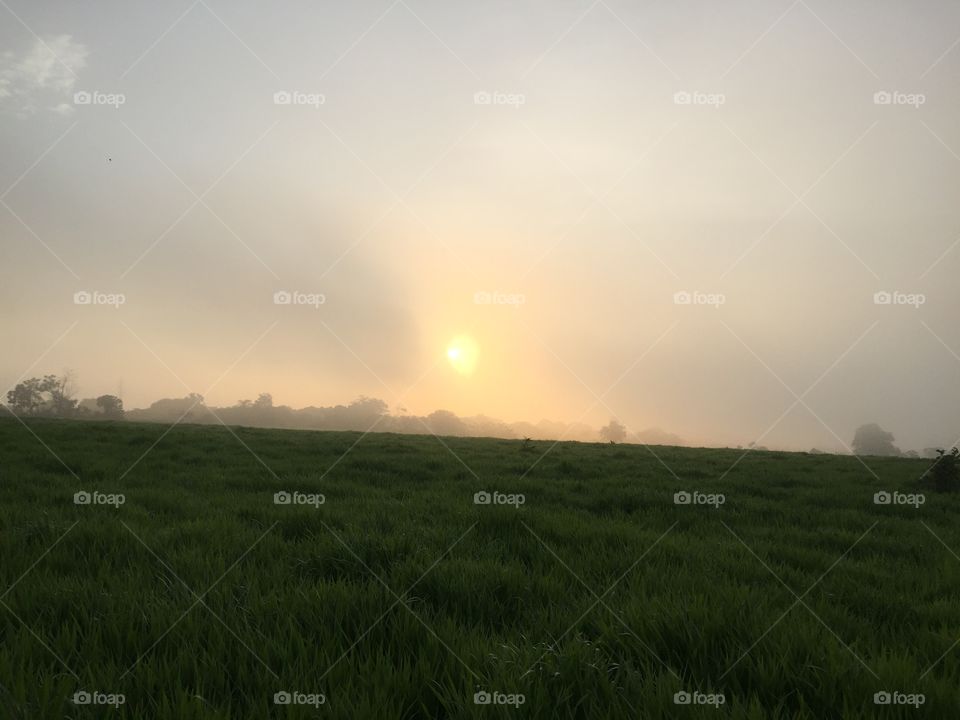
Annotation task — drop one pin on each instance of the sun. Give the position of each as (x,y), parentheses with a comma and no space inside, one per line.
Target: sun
(462,353)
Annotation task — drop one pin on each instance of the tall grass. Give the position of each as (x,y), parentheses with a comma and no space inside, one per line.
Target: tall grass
(398,597)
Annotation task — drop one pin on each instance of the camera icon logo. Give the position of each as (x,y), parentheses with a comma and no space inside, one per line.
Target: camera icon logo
(682,697)
(282,297)
(682,298)
(81,498)
(482,98)
(482,698)
(682,498)
(282,97)
(82,697)
(882,498)
(882,298)
(82,98)
(282,698)
(881,698)
(482,498)
(682,98)
(82,297)
(482,297)
(282,498)
(882,97)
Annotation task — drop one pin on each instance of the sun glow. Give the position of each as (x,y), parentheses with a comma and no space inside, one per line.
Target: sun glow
(462,353)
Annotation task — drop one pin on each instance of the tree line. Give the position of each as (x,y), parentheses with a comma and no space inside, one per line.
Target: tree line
(54,396)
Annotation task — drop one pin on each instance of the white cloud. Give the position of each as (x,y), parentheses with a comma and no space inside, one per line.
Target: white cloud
(44,76)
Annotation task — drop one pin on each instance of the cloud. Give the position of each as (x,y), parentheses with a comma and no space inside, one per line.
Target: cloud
(44,76)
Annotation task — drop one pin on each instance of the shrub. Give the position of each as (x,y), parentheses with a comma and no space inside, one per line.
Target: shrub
(945,471)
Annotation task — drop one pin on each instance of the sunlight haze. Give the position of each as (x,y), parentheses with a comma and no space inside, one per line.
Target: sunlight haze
(675,215)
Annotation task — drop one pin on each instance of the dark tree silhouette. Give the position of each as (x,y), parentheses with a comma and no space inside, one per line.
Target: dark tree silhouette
(614,431)
(110,406)
(47,395)
(946,471)
(872,439)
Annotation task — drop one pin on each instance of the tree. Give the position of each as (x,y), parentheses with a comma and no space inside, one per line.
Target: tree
(444,422)
(190,409)
(369,407)
(111,406)
(871,439)
(62,389)
(27,397)
(264,400)
(613,432)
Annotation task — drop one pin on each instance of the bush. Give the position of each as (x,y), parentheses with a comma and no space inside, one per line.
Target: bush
(945,471)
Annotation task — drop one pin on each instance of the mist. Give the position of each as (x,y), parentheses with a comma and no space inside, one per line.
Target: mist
(686,229)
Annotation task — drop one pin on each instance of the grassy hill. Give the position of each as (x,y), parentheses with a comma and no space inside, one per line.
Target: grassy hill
(398,596)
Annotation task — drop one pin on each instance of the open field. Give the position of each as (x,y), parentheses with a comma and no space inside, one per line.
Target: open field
(399,597)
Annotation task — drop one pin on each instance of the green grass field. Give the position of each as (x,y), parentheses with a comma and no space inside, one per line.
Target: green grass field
(399,597)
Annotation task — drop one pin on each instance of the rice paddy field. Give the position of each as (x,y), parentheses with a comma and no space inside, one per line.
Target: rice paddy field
(201,572)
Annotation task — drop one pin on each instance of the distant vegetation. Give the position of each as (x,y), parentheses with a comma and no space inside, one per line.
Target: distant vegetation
(55,396)
(873,440)
(613,432)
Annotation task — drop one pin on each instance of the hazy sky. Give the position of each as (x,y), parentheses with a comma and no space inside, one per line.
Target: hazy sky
(581,162)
